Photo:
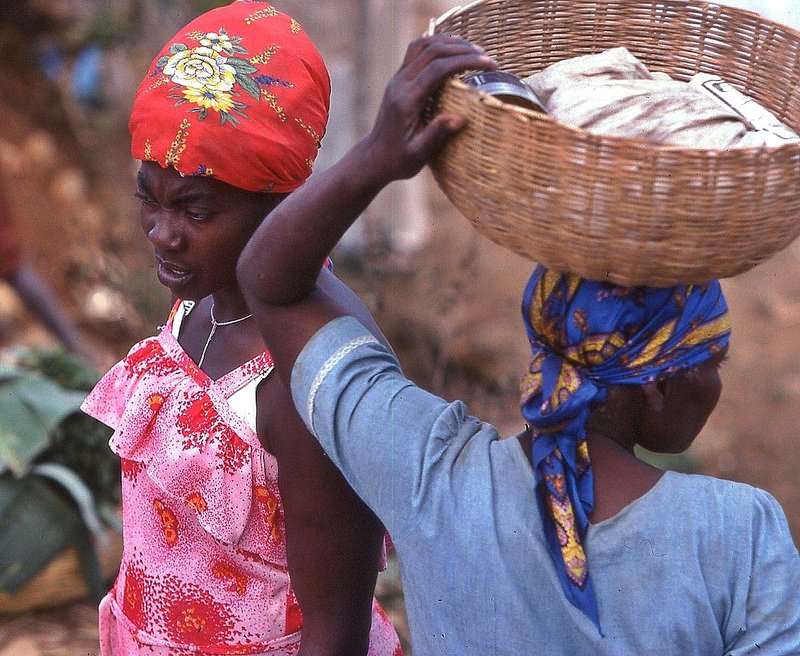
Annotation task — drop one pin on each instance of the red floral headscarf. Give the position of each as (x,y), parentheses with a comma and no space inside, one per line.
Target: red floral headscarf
(240,94)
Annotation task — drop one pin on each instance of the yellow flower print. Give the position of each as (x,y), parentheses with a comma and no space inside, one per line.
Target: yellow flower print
(217,42)
(214,75)
(209,99)
(201,68)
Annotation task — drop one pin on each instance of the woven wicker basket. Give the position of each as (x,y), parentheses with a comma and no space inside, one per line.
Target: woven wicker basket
(612,208)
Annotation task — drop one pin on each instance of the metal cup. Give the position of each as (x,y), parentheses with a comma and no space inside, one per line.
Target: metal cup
(506,87)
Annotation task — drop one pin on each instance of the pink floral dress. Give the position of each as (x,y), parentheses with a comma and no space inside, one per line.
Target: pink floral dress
(204,564)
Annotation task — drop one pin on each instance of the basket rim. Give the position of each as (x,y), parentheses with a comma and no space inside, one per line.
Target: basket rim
(456,82)
(459,9)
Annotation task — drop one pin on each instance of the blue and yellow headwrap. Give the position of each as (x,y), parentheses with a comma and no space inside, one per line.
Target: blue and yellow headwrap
(585,336)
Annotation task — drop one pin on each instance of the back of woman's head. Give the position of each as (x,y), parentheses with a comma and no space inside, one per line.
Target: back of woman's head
(586,336)
(240,94)
(600,334)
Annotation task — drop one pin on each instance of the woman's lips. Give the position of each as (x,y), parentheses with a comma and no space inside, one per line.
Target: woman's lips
(170,274)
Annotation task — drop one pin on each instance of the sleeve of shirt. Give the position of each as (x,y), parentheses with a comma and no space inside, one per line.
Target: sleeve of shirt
(773,603)
(393,441)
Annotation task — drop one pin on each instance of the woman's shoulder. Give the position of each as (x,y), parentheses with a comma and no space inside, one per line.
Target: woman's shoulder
(712,501)
(701,485)
(702,515)
(701,504)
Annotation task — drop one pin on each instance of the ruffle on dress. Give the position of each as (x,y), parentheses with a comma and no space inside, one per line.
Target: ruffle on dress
(173,420)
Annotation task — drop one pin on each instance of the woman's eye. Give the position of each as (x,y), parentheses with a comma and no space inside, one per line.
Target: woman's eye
(198,215)
(146,201)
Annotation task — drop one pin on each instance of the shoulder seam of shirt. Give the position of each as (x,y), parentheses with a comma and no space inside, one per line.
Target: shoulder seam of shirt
(326,368)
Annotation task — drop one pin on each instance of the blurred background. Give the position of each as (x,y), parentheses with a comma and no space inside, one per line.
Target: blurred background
(447,298)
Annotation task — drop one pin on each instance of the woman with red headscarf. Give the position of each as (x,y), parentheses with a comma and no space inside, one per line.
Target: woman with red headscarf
(216,514)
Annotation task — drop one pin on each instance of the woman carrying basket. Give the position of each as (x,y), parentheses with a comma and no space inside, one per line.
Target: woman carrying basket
(558,541)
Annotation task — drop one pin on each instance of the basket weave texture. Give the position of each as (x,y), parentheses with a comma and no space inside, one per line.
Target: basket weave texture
(612,208)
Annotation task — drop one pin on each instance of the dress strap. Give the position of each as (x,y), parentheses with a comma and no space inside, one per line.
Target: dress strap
(249,374)
(179,312)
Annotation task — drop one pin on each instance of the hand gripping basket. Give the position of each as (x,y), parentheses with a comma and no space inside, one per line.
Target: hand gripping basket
(612,208)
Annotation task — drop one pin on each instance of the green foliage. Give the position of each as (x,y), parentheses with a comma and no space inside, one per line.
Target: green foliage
(78,441)
(50,452)
(81,444)
(63,368)
(40,420)
(31,407)
(31,510)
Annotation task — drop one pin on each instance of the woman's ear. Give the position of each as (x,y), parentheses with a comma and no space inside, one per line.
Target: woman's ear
(655,392)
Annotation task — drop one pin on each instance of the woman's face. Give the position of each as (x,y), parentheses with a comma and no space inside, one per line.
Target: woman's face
(198,227)
(688,399)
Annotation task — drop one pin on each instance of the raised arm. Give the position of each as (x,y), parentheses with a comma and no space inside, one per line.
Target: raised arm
(278,270)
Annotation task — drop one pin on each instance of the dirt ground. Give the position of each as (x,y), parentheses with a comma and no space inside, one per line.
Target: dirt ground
(451,309)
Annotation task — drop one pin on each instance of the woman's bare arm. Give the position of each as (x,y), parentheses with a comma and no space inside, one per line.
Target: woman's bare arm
(278,269)
(333,540)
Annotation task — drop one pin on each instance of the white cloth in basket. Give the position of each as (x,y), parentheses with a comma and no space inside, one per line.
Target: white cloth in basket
(612,93)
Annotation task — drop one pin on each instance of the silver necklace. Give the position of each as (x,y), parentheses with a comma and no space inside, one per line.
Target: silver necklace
(214,325)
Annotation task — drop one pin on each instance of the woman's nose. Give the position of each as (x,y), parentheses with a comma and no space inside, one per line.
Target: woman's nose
(164,232)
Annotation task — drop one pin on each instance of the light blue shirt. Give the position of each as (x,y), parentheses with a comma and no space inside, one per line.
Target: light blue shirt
(696,567)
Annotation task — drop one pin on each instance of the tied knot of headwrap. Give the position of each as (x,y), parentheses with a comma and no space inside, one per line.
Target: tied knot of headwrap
(584,337)
(240,94)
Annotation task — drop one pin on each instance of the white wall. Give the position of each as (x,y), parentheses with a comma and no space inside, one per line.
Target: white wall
(782,11)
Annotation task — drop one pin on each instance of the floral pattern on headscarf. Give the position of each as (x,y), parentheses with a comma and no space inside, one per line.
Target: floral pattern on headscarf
(206,74)
(240,94)
(585,336)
